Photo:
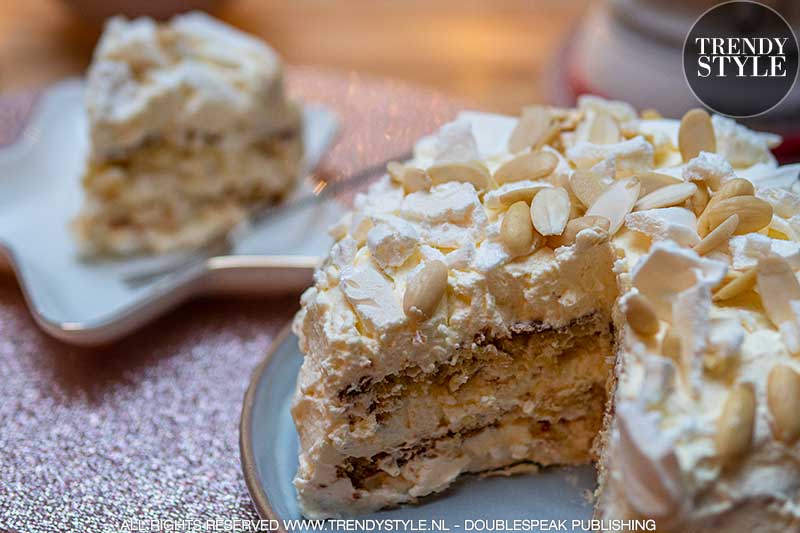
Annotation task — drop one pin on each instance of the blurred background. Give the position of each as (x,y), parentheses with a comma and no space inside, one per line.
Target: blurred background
(494,55)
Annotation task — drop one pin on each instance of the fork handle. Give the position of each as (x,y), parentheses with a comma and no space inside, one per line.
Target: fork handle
(259,274)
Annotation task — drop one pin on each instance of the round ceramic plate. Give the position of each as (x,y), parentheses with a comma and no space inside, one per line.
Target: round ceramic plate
(269,446)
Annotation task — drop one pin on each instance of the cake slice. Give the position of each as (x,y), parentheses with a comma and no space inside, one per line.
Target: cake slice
(190,129)
(573,286)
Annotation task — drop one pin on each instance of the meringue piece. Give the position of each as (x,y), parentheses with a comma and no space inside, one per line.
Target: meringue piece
(372,296)
(671,223)
(621,111)
(659,379)
(456,143)
(668,270)
(343,252)
(747,250)
(391,241)
(691,322)
(449,202)
(784,203)
(631,156)
(649,466)
(741,146)
(711,168)
(780,295)
(725,344)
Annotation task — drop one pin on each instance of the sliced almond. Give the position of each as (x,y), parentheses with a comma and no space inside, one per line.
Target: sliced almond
(735,424)
(735,187)
(640,315)
(575,226)
(416,179)
(696,134)
(604,129)
(778,287)
(783,400)
(473,172)
(425,290)
(395,171)
(650,114)
(699,200)
(587,185)
(530,166)
(666,196)
(754,214)
(655,180)
(530,129)
(735,287)
(516,230)
(731,188)
(499,197)
(671,344)
(719,236)
(616,202)
(550,211)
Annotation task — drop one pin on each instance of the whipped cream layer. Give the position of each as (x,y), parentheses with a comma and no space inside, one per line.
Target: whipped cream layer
(661,454)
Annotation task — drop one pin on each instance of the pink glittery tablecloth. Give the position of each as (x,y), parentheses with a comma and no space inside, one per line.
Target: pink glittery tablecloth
(96,440)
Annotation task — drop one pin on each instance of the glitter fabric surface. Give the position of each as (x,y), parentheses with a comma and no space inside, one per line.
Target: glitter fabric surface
(96,440)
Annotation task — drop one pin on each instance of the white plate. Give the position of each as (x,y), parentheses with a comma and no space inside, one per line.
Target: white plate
(268,445)
(89,303)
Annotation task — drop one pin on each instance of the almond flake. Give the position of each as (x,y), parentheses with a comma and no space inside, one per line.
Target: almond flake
(650,114)
(516,230)
(473,172)
(783,400)
(550,211)
(395,171)
(640,315)
(778,287)
(696,134)
(699,200)
(575,226)
(586,186)
(736,422)
(616,202)
(530,129)
(671,344)
(666,196)
(718,236)
(735,287)
(511,193)
(604,129)
(754,214)
(655,180)
(425,290)
(530,166)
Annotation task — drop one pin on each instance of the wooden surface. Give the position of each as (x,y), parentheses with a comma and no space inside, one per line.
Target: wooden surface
(497,54)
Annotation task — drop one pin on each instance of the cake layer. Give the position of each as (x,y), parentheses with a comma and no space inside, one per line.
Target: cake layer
(536,396)
(547,371)
(165,197)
